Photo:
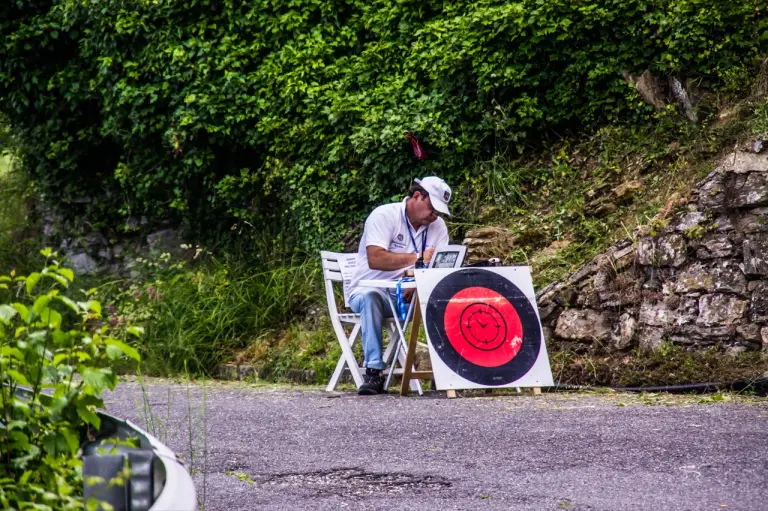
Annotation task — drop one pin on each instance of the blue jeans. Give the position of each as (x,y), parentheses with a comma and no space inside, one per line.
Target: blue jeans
(373,307)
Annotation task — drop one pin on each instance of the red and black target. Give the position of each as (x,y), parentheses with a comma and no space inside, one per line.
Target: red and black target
(483,327)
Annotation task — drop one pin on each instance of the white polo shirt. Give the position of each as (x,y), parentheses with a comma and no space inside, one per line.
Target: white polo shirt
(387,227)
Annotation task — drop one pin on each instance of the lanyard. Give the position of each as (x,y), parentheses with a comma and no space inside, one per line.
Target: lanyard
(423,236)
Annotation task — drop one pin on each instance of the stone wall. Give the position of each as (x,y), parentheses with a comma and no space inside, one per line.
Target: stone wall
(112,250)
(697,277)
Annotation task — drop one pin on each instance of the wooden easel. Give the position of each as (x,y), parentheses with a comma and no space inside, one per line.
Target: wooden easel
(410,355)
(413,341)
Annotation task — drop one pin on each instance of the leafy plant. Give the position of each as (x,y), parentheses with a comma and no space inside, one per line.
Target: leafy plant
(290,117)
(52,342)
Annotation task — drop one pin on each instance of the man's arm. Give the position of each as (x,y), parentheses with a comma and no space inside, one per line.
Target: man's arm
(382,259)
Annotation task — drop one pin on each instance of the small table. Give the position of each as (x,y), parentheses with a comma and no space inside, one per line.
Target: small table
(409,347)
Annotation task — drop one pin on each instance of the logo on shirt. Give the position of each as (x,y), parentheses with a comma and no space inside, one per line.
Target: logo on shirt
(399,237)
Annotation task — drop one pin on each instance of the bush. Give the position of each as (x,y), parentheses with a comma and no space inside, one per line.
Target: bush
(51,341)
(290,116)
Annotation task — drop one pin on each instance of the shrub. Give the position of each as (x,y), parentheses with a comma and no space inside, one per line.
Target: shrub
(290,116)
(51,341)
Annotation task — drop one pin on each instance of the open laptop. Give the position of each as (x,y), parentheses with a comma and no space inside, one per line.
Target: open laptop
(449,256)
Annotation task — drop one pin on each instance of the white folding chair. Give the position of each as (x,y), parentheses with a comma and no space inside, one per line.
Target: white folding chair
(332,272)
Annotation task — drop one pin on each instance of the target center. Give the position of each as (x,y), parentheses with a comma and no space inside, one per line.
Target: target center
(483,326)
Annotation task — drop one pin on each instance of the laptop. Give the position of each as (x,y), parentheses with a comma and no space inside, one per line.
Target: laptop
(449,256)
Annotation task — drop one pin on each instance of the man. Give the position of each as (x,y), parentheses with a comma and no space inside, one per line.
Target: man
(395,236)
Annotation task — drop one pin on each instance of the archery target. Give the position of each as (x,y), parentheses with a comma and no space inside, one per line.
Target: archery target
(483,328)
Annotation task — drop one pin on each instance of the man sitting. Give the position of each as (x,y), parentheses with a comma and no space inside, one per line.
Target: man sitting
(396,235)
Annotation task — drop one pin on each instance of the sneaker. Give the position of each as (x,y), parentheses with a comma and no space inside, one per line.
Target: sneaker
(373,383)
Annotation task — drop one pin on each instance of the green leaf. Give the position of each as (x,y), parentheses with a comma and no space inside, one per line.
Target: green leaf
(32,280)
(17,377)
(50,318)
(91,305)
(67,274)
(46,252)
(85,413)
(58,278)
(69,303)
(95,378)
(7,313)
(16,425)
(113,352)
(124,348)
(23,312)
(138,331)
(41,303)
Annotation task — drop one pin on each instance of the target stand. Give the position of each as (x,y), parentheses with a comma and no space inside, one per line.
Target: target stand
(483,330)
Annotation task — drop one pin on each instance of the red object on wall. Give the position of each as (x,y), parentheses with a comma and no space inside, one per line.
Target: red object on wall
(418,151)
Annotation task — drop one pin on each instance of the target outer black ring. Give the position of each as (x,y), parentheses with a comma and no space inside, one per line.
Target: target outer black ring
(529,320)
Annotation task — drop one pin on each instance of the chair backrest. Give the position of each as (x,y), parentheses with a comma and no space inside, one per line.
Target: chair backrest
(337,267)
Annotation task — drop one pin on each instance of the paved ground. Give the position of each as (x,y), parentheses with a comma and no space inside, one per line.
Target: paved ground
(300,449)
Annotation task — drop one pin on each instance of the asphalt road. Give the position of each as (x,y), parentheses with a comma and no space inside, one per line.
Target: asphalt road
(265,448)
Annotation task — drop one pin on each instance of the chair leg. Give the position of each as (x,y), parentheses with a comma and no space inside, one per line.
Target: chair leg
(347,358)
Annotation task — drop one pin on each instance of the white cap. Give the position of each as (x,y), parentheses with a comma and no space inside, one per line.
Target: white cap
(439,193)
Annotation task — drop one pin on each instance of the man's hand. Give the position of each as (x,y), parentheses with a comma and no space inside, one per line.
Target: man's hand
(407,295)
(428,255)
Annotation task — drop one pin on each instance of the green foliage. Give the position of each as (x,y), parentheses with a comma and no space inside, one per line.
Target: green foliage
(194,316)
(49,340)
(290,116)
(15,192)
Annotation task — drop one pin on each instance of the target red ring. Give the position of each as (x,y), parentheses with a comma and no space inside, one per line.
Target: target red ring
(483,326)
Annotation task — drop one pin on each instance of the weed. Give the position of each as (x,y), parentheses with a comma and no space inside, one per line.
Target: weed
(240,476)
(196,434)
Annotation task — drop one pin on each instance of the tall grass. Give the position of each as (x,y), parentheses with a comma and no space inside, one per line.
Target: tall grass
(197,317)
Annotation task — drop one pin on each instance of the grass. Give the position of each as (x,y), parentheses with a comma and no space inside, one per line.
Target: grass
(670,365)
(566,204)
(196,430)
(197,316)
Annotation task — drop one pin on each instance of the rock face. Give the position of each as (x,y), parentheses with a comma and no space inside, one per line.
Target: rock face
(702,279)
(487,242)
